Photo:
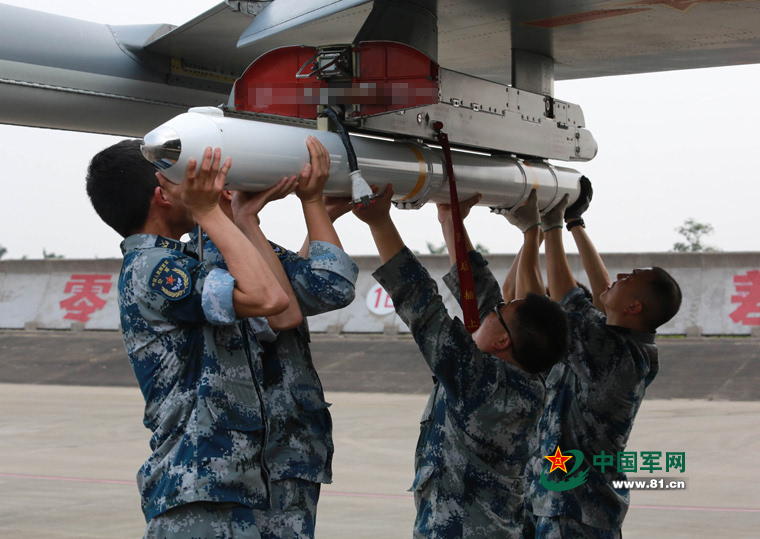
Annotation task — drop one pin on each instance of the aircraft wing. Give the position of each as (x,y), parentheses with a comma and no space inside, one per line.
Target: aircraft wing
(207,44)
(586,38)
(589,38)
(210,40)
(63,73)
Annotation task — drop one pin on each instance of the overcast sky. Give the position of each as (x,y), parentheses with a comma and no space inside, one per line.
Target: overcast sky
(672,146)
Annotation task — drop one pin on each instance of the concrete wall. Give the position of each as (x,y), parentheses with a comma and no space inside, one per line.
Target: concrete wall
(59,294)
(721,293)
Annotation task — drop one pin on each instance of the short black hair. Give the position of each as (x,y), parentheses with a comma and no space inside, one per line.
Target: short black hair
(586,291)
(120,184)
(661,297)
(540,333)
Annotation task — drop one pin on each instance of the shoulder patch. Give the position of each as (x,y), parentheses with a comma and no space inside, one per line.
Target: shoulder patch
(170,280)
(279,251)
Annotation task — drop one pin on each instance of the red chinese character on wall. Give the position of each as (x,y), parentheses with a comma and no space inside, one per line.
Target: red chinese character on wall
(748,296)
(85,300)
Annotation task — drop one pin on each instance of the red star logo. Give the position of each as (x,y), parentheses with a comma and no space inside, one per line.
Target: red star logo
(558,460)
(170,280)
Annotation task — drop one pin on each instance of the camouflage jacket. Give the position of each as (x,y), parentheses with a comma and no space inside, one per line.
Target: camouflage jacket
(593,396)
(477,430)
(200,375)
(300,428)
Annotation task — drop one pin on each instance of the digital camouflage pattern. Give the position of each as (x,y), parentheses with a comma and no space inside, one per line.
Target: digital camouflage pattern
(200,379)
(203,521)
(592,399)
(487,290)
(293,512)
(478,428)
(300,428)
(566,528)
(300,442)
(211,254)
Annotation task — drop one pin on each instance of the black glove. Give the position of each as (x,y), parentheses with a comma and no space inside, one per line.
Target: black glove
(580,206)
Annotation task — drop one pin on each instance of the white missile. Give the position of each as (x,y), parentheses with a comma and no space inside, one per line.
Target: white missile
(263,153)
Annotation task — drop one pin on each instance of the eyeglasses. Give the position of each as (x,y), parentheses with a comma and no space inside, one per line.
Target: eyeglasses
(496,310)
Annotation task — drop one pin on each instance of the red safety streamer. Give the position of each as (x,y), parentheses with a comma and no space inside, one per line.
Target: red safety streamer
(464,270)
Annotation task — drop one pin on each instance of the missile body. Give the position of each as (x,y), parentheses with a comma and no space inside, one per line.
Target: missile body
(263,153)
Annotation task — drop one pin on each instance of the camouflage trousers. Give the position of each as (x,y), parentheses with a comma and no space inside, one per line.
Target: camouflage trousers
(437,518)
(563,528)
(293,512)
(204,520)
(443,516)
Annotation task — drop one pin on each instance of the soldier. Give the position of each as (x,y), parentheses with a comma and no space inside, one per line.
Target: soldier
(199,371)
(477,430)
(299,448)
(594,393)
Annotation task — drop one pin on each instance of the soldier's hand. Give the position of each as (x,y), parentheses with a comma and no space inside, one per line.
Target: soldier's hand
(202,186)
(526,216)
(444,210)
(580,206)
(337,206)
(378,210)
(553,218)
(248,205)
(313,177)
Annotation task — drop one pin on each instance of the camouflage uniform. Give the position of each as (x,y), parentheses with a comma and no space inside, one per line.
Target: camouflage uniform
(201,520)
(478,429)
(566,528)
(593,397)
(200,375)
(300,448)
(292,513)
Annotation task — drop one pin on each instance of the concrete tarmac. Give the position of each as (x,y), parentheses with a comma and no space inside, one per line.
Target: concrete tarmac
(714,368)
(69,454)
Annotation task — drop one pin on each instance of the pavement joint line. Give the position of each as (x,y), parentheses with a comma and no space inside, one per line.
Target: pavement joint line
(734,374)
(364,495)
(73,479)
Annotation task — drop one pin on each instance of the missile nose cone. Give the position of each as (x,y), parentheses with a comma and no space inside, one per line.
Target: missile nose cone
(162,147)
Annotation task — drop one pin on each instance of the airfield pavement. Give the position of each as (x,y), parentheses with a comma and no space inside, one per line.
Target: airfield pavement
(71,437)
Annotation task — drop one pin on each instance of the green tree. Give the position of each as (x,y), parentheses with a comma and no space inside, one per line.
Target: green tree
(693,232)
(442,249)
(436,250)
(45,254)
(3,250)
